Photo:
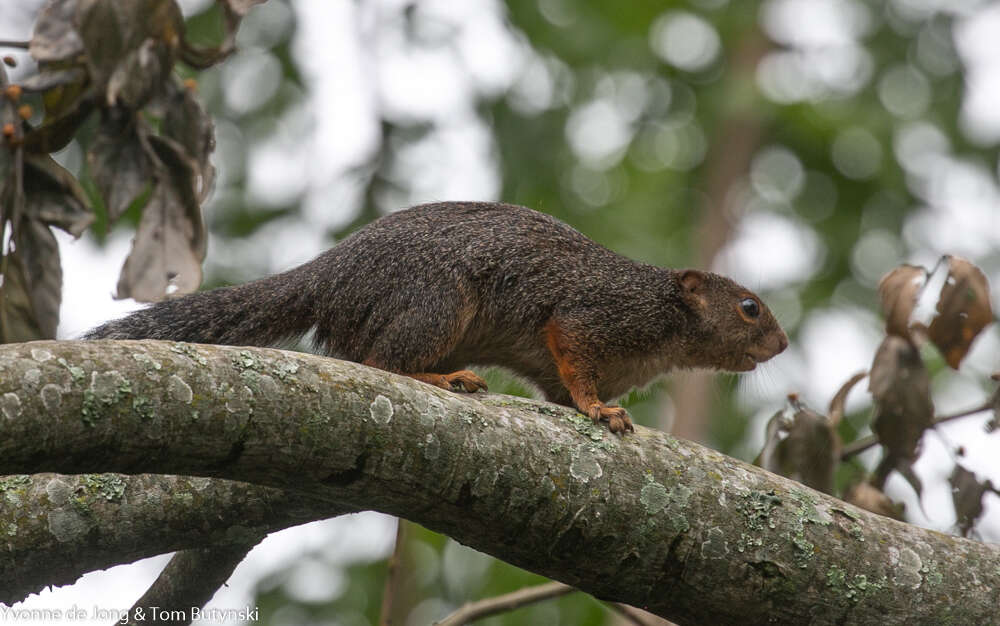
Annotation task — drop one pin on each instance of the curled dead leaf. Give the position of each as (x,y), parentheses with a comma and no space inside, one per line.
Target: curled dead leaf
(963,310)
(967,495)
(118,164)
(53,196)
(31,290)
(866,496)
(900,385)
(803,446)
(898,291)
(840,398)
(169,245)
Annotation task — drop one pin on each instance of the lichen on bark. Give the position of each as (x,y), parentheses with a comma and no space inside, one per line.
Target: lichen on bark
(645,519)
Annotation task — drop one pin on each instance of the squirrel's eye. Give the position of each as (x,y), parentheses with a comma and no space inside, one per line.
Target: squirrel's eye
(750,307)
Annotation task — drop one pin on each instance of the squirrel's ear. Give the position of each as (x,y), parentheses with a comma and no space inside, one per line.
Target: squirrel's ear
(691,280)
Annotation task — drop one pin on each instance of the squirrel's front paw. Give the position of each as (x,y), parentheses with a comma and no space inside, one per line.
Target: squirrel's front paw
(466,380)
(617,417)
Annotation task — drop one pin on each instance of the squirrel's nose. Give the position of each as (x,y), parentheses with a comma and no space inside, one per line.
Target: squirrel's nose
(782,343)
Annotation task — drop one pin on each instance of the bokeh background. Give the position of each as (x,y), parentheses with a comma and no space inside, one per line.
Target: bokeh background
(804,147)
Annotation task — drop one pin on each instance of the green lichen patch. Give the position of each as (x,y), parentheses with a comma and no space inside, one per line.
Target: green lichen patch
(89,408)
(147,361)
(105,390)
(714,546)
(580,422)
(931,573)
(186,349)
(143,407)
(40,354)
(584,465)
(75,371)
(10,405)
(432,447)
(111,487)
(251,379)
(757,507)
(246,360)
(846,513)
(857,532)
(14,482)
(805,512)
(677,509)
(381,410)
(654,497)
(856,588)
(178,390)
(673,503)
(285,370)
(748,542)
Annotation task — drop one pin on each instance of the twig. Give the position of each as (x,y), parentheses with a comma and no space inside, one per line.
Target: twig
(860,445)
(507,602)
(636,616)
(392,577)
(4,43)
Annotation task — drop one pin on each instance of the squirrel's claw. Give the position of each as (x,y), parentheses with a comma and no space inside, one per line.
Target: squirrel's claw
(617,417)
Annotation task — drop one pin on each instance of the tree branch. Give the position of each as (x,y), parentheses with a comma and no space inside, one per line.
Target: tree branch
(189,580)
(663,524)
(59,527)
(860,445)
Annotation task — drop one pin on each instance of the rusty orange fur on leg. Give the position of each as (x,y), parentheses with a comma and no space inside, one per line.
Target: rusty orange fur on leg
(581,384)
(462,380)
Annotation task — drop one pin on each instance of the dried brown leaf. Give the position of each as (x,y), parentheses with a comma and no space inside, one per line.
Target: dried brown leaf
(900,385)
(810,452)
(139,75)
(66,108)
(32,285)
(53,196)
(55,38)
(804,447)
(994,422)
(49,79)
(119,165)
(170,242)
(870,498)
(898,291)
(38,251)
(186,122)
(130,46)
(963,310)
(967,495)
(161,254)
(776,431)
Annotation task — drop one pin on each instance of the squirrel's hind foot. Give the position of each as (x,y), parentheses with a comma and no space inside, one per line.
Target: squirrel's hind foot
(617,417)
(462,380)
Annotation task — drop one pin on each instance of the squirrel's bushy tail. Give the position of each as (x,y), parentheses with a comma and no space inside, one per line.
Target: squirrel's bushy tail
(265,312)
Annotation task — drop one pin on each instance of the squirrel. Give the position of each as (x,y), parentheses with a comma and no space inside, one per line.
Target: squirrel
(443,286)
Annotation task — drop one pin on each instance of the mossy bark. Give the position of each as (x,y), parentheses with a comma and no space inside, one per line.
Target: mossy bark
(645,519)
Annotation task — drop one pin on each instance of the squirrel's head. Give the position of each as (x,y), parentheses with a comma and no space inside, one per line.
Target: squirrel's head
(732,328)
